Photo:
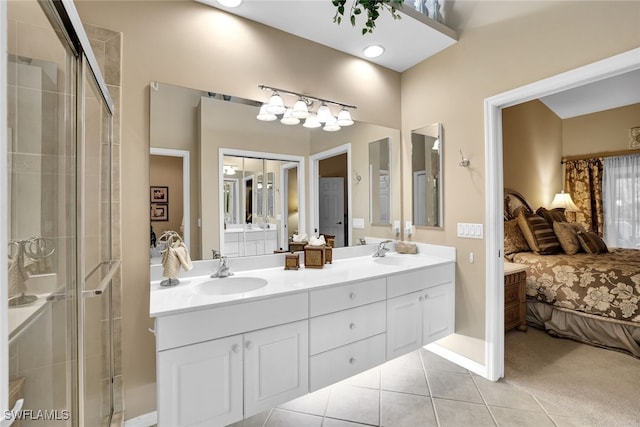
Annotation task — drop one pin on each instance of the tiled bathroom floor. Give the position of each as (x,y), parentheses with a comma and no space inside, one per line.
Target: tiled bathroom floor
(416,390)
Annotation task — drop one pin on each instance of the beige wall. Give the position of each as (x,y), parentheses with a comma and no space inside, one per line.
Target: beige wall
(599,132)
(451,87)
(166,171)
(189,44)
(532,150)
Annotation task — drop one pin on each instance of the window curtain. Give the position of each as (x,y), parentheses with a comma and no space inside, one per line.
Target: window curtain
(621,196)
(583,180)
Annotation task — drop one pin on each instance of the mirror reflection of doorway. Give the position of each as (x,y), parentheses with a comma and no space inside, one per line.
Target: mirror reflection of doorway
(332,198)
(248,201)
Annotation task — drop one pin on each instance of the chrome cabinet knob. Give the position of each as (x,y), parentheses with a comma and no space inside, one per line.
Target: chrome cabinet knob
(235,348)
(352,326)
(352,360)
(249,345)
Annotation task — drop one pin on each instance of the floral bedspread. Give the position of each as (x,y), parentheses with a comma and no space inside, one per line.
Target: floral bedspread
(606,284)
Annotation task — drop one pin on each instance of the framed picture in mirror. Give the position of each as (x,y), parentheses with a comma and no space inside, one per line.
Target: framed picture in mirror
(159,194)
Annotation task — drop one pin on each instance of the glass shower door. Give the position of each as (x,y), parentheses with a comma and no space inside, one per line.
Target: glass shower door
(42,217)
(96,266)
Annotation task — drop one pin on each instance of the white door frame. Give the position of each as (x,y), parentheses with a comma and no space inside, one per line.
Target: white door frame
(186,188)
(314,187)
(4,214)
(494,186)
(284,201)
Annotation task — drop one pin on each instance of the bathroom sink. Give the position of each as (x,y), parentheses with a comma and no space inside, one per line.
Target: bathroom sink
(230,285)
(394,260)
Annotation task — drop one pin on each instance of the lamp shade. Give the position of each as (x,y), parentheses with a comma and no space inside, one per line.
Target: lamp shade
(344,118)
(563,200)
(300,110)
(324,113)
(276,104)
(264,115)
(288,119)
(312,122)
(331,125)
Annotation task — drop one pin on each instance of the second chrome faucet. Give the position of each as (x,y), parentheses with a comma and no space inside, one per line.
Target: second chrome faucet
(223,269)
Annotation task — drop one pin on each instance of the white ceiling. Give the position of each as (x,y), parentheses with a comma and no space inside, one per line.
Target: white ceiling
(613,92)
(413,38)
(407,41)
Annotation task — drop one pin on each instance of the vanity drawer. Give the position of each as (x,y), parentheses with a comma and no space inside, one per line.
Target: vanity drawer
(416,280)
(342,362)
(347,326)
(338,298)
(178,329)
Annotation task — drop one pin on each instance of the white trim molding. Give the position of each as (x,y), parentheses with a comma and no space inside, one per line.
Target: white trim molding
(494,186)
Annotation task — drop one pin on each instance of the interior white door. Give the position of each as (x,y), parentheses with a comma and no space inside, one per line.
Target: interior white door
(331,208)
(419,198)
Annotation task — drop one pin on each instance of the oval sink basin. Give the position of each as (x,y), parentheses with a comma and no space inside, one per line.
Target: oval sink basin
(230,285)
(394,260)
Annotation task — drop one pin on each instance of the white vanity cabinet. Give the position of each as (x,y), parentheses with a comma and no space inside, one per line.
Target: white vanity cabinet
(347,331)
(206,378)
(420,308)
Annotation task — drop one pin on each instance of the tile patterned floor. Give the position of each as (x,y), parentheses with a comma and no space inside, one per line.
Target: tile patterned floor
(416,390)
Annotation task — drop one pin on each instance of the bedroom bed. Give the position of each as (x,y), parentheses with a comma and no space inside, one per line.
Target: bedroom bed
(589,297)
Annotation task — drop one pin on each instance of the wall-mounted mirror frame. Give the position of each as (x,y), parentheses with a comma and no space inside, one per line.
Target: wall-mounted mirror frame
(380,182)
(426,176)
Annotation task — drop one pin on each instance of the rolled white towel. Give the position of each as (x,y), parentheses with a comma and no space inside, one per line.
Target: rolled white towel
(317,241)
(297,238)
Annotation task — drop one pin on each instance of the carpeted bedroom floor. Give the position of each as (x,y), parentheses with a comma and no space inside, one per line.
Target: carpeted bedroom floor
(602,385)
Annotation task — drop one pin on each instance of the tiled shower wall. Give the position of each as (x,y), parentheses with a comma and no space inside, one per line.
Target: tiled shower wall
(107,47)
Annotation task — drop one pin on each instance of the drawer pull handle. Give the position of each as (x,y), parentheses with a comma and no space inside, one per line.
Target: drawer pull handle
(352,326)
(352,295)
(235,348)
(249,345)
(352,360)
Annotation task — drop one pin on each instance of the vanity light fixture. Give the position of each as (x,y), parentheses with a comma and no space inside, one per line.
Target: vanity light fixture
(229,170)
(373,51)
(302,109)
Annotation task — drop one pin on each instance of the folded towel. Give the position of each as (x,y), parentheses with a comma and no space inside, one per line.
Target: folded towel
(317,241)
(298,238)
(406,248)
(183,255)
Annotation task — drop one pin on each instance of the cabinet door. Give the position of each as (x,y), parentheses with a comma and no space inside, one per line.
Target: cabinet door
(200,384)
(404,324)
(276,366)
(438,313)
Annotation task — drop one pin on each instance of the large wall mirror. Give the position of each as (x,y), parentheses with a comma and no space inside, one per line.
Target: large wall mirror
(248,177)
(426,176)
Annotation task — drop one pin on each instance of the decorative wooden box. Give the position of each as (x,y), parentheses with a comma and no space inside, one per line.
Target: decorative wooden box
(291,261)
(328,255)
(297,246)
(314,256)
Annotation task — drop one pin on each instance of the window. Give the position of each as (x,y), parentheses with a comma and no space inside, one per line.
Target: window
(621,200)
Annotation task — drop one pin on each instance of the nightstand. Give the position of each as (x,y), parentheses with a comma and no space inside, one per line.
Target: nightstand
(515,296)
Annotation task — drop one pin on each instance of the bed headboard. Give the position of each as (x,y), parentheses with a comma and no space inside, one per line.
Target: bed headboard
(514,201)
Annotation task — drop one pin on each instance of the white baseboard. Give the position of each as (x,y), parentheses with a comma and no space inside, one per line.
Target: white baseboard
(145,420)
(454,357)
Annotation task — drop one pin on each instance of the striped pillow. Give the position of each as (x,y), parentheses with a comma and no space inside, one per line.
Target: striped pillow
(592,243)
(539,234)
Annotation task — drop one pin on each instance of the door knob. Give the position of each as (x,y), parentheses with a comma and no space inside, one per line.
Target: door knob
(339,222)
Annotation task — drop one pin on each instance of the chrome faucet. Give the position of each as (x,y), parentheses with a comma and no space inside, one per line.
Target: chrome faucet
(223,269)
(381,251)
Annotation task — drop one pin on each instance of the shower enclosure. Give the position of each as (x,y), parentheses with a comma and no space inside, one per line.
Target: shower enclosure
(57,302)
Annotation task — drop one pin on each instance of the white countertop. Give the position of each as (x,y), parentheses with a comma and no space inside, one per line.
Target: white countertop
(183,297)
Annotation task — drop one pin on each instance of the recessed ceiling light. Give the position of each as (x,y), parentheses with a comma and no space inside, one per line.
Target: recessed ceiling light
(373,51)
(230,3)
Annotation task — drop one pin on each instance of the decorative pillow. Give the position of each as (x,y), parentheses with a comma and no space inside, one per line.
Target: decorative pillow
(539,234)
(514,241)
(592,243)
(552,215)
(567,234)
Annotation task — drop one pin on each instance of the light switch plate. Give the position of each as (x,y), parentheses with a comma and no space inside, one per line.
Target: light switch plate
(358,222)
(470,231)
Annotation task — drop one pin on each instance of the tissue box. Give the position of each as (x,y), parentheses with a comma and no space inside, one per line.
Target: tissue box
(328,255)
(314,256)
(297,246)
(291,261)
